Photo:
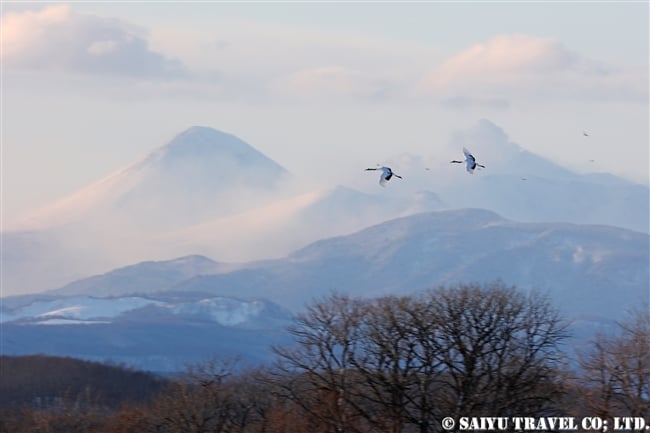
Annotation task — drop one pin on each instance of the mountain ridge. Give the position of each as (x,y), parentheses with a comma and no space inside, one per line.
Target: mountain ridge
(591,273)
(374,262)
(445,247)
(156,211)
(194,161)
(145,277)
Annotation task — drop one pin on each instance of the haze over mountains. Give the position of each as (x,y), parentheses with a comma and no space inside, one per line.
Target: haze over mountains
(158,315)
(173,185)
(207,246)
(208,192)
(593,269)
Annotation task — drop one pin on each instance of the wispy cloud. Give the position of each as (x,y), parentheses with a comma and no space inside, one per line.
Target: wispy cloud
(250,60)
(508,56)
(56,38)
(508,67)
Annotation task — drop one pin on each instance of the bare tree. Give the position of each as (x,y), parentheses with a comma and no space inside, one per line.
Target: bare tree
(200,403)
(616,369)
(397,364)
(386,363)
(391,364)
(315,374)
(499,348)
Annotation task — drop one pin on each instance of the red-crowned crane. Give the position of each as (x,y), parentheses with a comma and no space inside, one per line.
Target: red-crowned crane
(470,161)
(386,174)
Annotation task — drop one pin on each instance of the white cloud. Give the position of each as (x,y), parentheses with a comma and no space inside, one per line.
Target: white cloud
(508,67)
(21,31)
(56,38)
(510,55)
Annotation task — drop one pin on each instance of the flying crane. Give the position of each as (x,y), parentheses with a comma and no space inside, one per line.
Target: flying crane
(470,161)
(386,174)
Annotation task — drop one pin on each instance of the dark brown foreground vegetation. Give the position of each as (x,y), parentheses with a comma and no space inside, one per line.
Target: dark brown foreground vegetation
(393,364)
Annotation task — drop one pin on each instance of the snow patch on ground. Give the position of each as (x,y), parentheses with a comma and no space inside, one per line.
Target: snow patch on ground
(89,310)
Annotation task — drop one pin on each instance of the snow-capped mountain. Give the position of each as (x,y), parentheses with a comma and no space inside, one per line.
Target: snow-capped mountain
(144,277)
(159,333)
(160,315)
(208,192)
(201,173)
(74,310)
(588,269)
(89,310)
(205,192)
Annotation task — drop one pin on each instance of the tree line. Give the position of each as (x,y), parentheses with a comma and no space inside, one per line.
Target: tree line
(395,364)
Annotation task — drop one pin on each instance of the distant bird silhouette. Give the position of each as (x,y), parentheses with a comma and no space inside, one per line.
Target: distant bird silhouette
(386,174)
(470,161)
(585,133)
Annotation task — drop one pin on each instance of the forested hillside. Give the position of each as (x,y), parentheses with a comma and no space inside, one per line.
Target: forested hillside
(44,381)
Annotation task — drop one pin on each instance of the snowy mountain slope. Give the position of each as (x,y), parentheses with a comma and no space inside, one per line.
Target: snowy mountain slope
(589,269)
(93,310)
(208,192)
(144,278)
(153,333)
(593,270)
(205,192)
(592,273)
(187,180)
(199,175)
(74,310)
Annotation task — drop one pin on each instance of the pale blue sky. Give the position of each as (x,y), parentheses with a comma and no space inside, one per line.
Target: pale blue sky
(88,87)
